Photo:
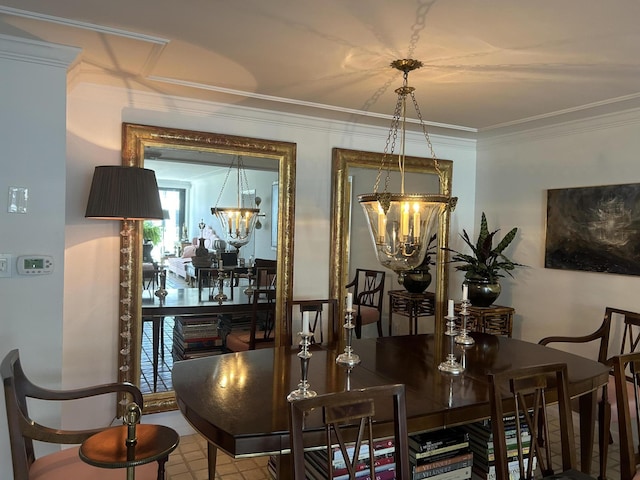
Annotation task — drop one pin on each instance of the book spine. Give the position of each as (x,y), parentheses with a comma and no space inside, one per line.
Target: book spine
(442,462)
(443,469)
(424,444)
(460,474)
(437,451)
(361,466)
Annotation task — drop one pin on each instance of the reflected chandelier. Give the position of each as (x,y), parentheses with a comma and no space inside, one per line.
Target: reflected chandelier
(237,222)
(402,223)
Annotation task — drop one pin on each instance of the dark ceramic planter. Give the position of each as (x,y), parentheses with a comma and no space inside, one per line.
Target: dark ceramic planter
(482,292)
(416,281)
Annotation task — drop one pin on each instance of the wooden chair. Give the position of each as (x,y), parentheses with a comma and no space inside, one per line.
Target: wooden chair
(261,327)
(346,418)
(626,373)
(529,391)
(318,311)
(368,295)
(65,464)
(629,342)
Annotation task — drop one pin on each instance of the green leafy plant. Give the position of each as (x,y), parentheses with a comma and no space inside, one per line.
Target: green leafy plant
(151,233)
(430,254)
(486,261)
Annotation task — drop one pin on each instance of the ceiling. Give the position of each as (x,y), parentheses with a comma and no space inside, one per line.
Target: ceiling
(490,65)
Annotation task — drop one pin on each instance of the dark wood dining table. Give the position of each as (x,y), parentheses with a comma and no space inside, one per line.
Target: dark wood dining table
(238,401)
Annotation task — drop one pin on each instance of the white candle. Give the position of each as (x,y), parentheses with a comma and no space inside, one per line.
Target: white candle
(404,220)
(349,301)
(450,313)
(305,323)
(382,224)
(416,221)
(465,292)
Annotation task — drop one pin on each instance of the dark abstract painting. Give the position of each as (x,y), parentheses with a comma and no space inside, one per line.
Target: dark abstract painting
(596,229)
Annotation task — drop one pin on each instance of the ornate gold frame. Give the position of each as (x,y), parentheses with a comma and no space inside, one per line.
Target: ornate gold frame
(344,159)
(134,139)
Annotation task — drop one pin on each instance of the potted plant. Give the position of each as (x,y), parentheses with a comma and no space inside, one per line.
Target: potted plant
(418,279)
(484,266)
(152,235)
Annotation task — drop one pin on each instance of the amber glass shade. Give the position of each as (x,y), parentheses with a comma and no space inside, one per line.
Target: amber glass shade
(119,192)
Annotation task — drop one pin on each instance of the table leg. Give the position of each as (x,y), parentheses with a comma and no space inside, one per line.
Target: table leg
(587,404)
(156,342)
(212,454)
(161,464)
(131,473)
(390,315)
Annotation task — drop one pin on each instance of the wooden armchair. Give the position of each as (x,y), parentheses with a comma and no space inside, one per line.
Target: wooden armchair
(261,327)
(368,295)
(345,420)
(530,391)
(318,311)
(626,373)
(629,323)
(65,464)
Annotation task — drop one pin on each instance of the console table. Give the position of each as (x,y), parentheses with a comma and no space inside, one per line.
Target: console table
(496,319)
(412,305)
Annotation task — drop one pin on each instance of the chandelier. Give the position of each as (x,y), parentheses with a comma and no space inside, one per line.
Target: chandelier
(237,222)
(402,223)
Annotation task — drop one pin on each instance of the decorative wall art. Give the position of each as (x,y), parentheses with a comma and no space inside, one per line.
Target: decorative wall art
(596,229)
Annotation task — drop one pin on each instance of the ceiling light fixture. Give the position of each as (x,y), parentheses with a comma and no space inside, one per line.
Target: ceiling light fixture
(401,223)
(237,222)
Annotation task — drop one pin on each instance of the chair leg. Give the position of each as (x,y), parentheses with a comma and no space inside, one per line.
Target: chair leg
(380,328)
(604,435)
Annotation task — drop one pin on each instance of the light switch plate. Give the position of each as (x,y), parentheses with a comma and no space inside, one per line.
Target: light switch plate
(5,265)
(18,200)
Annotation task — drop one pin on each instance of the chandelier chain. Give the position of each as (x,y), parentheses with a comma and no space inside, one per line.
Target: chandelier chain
(426,135)
(224,184)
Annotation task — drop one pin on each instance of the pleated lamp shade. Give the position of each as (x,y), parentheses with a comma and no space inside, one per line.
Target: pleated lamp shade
(119,192)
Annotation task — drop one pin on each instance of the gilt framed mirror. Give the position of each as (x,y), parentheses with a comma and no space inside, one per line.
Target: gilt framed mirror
(273,159)
(354,173)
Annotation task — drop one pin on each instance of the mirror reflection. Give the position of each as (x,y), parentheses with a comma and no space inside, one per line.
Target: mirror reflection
(354,173)
(191,279)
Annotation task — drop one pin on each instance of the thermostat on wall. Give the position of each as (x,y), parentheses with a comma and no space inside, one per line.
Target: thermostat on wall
(35,264)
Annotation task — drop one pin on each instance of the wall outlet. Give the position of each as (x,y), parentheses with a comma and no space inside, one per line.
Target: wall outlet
(5,265)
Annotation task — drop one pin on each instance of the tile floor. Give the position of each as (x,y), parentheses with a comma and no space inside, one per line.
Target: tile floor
(189,461)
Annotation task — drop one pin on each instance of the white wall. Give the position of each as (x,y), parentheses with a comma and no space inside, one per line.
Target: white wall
(32,135)
(513,176)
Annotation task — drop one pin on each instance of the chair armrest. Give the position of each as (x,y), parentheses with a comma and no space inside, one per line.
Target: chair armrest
(43,433)
(124,387)
(560,339)
(601,335)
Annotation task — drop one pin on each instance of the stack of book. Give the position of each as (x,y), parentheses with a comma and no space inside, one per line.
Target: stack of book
(384,463)
(440,455)
(481,441)
(195,337)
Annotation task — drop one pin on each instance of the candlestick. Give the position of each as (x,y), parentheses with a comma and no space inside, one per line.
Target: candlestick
(450,310)
(348,357)
(304,354)
(349,301)
(305,323)
(451,365)
(463,337)
(465,291)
